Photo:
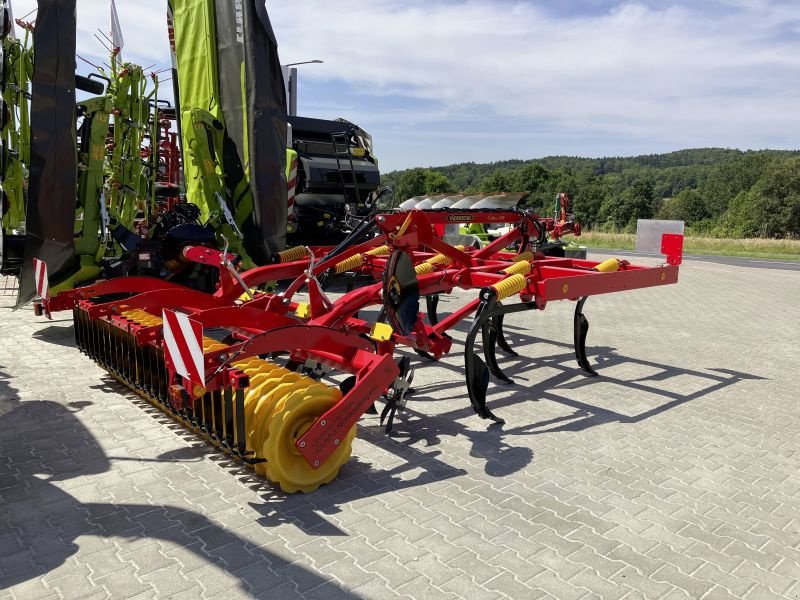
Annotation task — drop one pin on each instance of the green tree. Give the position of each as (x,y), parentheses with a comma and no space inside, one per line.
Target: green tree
(771,207)
(717,190)
(411,183)
(531,178)
(589,196)
(689,205)
(622,211)
(436,183)
(421,182)
(498,181)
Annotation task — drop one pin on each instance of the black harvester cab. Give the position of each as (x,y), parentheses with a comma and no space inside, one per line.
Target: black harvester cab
(336,174)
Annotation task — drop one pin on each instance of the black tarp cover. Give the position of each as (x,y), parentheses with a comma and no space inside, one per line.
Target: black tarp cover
(50,210)
(253,101)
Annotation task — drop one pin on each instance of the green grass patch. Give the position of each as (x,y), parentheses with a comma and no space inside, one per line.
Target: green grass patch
(750,247)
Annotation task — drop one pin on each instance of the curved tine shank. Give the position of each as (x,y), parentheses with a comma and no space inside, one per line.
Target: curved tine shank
(501,336)
(432,302)
(581,329)
(490,348)
(477,373)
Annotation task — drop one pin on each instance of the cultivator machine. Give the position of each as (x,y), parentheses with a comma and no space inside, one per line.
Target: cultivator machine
(280,380)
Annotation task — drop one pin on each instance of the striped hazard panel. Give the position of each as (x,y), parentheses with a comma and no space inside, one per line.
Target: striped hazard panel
(183,344)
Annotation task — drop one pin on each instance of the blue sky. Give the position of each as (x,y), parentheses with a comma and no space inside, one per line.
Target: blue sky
(438,82)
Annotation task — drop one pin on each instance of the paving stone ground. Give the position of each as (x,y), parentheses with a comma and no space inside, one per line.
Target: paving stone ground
(675,474)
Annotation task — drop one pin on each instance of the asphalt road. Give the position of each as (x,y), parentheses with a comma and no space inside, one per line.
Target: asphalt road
(736,261)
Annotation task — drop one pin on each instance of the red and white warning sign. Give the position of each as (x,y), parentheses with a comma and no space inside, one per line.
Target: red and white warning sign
(40,278)
(183,344)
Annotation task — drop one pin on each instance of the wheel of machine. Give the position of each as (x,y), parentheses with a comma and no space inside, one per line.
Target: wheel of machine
(279,388)
(293,415)
(262,400)
(268,382)
(260,371)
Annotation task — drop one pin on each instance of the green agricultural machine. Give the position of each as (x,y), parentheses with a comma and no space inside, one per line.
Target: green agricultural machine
(237,173)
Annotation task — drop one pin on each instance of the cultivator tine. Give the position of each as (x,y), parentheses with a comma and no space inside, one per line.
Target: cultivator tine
(137,365)
(228,418)
(155,375)
(108,352)
(99,342)
(163,379)
(82,330)
(432,302)
(476,370)
(501,335)
(581,329)
(477,385)
(203,412)
(241,447)
(489,338)
(148,378)
(130,363)
(389,410)
(396,398)
(86,335)
(121,342)
(115,349)
(216,403)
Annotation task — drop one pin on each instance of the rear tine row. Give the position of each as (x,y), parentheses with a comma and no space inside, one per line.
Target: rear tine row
(143,369)
(489,323)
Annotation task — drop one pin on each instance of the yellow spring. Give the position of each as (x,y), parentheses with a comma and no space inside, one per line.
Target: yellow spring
(522,267)
(379,251)
(142,317)
(292,254)
(423,268)
(525,256)
(211,345)
(440,259)
(510,286)
(608,266)
(348,264)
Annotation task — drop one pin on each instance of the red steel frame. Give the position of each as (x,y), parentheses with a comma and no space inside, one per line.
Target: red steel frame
(331,333)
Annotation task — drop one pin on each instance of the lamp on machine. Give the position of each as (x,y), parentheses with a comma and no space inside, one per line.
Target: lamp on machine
(290,80)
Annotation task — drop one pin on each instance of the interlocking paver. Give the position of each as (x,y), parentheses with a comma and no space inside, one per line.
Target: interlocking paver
(672,475)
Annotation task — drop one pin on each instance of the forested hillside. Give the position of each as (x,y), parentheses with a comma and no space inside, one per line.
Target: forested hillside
(716,191)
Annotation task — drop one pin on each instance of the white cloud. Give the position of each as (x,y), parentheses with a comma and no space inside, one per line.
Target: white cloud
(663,74)
(144,28)
(726,74)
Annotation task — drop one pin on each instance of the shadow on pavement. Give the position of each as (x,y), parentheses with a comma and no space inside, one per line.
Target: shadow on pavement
(490,442)
(56,334)
(43,443)
(570,377)
(357,479)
